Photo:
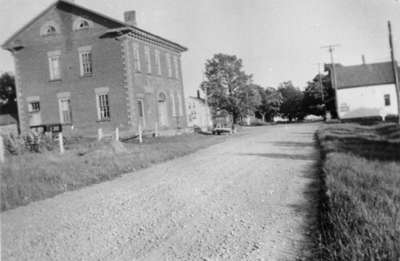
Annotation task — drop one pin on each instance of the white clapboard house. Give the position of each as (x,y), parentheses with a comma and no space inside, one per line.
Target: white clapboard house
(366,90)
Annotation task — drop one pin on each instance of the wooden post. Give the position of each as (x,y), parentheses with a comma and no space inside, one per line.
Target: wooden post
(140,133)
(117,134)
(61,142)
(99,134)
(156,129)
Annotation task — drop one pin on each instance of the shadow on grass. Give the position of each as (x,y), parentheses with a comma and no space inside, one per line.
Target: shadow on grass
(281,156)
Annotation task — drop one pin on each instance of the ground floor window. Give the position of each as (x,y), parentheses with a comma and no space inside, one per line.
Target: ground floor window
(103,107)
(65,110)
(34,106)
(140,107)
(387,99)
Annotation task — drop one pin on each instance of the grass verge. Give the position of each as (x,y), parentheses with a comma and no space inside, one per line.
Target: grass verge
(360,214)
(34,176)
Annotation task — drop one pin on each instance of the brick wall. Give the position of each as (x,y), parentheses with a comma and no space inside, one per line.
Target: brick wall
(33,71)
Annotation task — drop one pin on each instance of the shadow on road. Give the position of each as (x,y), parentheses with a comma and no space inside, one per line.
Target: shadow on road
(292,144)
(281,156)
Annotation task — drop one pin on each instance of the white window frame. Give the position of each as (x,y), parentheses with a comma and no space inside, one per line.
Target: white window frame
(169,65)
(102,114)
(54,59)
(176,67)
(148,58)
(79,21)
(136,57)
(158,61)
(61,98)
(88,69)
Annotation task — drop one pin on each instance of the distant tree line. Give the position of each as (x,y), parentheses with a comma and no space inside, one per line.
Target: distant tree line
(230,88)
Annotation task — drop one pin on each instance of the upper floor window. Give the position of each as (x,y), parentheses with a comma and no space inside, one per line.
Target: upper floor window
(54,65)
(176,67)
(136,57)
(169,67)
(148,59)
(80,24)
(85,60)
(49,28)
(387,99)
(158,61)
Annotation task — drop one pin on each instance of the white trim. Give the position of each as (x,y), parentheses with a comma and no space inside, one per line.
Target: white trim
(169,65)
(101,90)
(78,20)
(87,48)
(60,111)
(33,99)
(63,95)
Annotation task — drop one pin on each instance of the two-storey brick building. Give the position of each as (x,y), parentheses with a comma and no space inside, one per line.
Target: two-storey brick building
(88,71)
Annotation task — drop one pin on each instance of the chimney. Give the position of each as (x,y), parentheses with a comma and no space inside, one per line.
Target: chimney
(130,17)
(198,94)
(363,59)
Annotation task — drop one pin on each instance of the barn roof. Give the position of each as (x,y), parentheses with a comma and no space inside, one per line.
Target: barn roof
(364,75)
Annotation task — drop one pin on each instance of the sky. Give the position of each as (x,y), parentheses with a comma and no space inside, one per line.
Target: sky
(278,40)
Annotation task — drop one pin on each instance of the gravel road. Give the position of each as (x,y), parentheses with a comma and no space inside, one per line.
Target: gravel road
(239,200)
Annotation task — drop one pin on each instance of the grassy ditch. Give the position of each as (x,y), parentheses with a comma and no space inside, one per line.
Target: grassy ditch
(360,215)
(31,176)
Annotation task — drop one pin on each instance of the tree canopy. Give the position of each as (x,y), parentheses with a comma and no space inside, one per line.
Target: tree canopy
(292,101)
(8,103)
(228,86)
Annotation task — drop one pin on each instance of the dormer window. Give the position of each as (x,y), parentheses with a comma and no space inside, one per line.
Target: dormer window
(81,24)
(49,28)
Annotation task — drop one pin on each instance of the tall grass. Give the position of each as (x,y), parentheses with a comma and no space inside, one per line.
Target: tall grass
(34,176)
(361,218)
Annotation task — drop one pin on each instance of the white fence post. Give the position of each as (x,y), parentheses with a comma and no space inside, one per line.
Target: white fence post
(61,142)
(117,134)
(156,129)
(1,149)
(99,134)
(140,133)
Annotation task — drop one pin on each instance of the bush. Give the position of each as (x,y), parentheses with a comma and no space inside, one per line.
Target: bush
(32,142)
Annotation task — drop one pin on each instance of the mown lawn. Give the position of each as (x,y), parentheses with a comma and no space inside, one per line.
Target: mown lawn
(360,214)
(34,176)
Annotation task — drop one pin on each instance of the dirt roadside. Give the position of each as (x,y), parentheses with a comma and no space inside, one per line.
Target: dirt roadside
(239,200)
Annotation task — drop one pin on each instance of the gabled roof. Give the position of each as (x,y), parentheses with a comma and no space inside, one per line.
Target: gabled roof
(364,75)
(119,25)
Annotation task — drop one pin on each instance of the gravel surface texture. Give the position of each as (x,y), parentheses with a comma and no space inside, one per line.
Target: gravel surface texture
(243,199)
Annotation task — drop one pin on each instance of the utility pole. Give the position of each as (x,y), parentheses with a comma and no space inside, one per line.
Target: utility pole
(395,69)
(331,48)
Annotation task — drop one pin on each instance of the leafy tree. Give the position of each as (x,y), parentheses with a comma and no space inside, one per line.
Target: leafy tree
(8,103)
(314,97)
(271,101)
(227,85)
(292,101)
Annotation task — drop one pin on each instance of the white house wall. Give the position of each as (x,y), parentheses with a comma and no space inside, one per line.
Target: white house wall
(366,101)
